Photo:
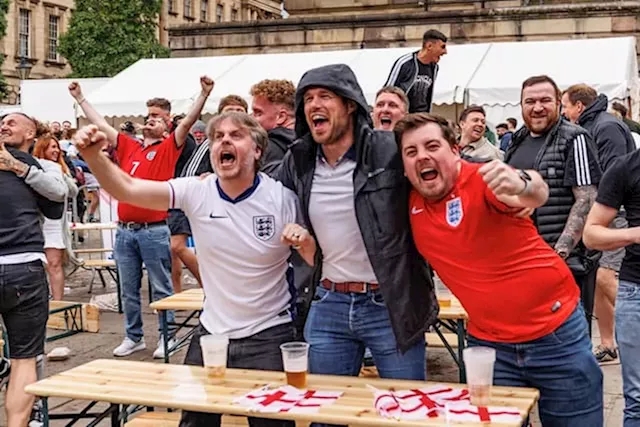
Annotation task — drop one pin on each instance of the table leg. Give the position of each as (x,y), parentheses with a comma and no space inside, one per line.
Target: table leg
(165,334)
(45,411)
(115,415)
(461,337)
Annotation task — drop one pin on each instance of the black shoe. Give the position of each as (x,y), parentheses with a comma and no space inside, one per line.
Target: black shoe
(368,362)
(5,370)
(37,415)
(605,354)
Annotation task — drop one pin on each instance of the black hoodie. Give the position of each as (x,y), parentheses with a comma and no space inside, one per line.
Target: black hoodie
(381,206)
(611,135)
(280,139)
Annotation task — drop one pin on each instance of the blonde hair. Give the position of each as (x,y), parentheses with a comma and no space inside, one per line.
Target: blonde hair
(244,121)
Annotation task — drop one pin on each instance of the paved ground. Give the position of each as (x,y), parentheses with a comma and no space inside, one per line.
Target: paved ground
(88,347)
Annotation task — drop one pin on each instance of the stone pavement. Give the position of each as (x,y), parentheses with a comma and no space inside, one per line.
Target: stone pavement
(87,346)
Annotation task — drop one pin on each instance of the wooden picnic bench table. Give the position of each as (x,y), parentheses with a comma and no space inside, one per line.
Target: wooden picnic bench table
(143,384)
(452,318)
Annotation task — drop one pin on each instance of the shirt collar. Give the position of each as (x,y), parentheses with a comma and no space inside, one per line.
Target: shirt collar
(349,155)
(245,194)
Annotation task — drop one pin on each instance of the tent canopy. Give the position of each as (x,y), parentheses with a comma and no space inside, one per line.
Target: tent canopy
(49,100)
(488,74)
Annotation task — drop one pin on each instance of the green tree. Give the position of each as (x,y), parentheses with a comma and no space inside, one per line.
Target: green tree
(4,8)
(105,37)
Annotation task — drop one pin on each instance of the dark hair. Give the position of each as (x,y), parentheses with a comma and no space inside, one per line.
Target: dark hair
(513,122)
(395,91)
(471,109)
(502,126)
(432,35)
(581,92)
(417,120)
(531,81)
(160,103)
(620,108)
(232,100)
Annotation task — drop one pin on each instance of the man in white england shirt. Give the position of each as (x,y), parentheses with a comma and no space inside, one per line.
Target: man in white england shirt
(243,224)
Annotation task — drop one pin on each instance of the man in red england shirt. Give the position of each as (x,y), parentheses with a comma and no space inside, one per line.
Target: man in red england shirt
(143,234)
(520,295)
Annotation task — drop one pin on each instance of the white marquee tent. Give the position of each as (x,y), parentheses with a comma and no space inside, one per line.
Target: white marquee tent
(489,74)
(48,100)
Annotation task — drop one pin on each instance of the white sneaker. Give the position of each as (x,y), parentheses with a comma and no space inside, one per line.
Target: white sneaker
(128,347)
(159,352)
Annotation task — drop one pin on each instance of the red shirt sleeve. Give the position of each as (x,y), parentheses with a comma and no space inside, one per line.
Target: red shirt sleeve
(124,147)
(169,148)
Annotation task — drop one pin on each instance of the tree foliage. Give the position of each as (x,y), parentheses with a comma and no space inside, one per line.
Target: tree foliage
(105,37)
(4,8)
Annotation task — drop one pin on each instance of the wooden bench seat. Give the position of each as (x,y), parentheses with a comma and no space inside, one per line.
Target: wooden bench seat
(99,263)
(171,419)
(433,340)
(92,251)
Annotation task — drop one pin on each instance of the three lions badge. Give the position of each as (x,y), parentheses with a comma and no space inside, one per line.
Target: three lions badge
(264,226)
(454,212)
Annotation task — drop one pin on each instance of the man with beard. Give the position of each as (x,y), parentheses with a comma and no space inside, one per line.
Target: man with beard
(373,289)
(245,276)
(582,105)
(143,234)
(472,130)
(391,105)
(273,107)
(567,158)
(415,73)
(521,298)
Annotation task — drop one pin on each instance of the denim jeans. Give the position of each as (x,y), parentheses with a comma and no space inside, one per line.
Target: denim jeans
(560,365)
(628,338)
(259,351)
(134,247)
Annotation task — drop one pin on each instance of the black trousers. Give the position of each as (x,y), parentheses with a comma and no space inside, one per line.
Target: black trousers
(259,351)
(587,284)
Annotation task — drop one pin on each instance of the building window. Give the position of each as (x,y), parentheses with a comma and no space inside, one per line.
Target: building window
(171,6)
(234,14)
(24,39)
(188,8)
(219,13)
(204,10)
(53,38)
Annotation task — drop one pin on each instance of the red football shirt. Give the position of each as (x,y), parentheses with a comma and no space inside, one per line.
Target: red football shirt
(512,284)
(156,162)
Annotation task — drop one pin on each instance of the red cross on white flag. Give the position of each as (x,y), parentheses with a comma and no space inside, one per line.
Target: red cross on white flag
(286,399)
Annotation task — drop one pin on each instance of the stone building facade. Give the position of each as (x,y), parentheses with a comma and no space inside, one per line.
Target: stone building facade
(33,29)
(396,23)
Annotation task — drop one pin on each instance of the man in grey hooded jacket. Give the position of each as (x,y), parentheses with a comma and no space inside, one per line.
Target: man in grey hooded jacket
(370,288)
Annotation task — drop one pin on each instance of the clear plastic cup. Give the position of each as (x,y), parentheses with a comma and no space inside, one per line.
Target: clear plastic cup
(443,294)
(214,355)
(295,357)
(479,362)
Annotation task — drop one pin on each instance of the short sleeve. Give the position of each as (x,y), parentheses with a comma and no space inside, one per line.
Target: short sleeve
(124,147)
(181,192)
(496,204)
(612,188)
(291,204)
(582,167)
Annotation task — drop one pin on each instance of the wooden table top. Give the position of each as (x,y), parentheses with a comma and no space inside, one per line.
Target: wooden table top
(90,226)
(187,388)
(192,300)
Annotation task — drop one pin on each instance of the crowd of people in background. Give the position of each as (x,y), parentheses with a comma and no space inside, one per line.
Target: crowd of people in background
(336,215)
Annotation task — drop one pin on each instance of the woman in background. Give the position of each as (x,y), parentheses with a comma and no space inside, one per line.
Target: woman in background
(56,232)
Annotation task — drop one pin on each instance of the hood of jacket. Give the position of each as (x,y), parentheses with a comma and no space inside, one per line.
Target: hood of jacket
(284,137)
(591,112)
(338,78)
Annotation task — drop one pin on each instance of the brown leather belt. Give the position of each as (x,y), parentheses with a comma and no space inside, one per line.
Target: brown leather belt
(349,287)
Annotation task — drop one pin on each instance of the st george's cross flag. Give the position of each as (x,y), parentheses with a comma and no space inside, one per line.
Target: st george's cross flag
(286,399)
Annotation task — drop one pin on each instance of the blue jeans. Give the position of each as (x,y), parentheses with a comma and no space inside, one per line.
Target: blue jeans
(134,247)
(560,365)
(340,327)
(628,338)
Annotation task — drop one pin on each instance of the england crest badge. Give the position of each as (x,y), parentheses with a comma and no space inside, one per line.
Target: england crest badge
(151,155)
(454,212)
(264,227)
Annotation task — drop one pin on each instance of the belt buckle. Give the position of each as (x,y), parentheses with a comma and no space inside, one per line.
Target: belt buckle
(131,225)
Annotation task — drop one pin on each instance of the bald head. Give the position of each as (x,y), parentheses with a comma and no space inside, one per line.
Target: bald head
(17,131)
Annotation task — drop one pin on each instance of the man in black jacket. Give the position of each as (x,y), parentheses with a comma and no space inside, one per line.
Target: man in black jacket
(567,158)
(24,294)
(415,73)
(373,288)
(582,105)
(273,107)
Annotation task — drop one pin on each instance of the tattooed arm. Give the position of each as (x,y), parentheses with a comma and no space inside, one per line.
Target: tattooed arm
(572,233)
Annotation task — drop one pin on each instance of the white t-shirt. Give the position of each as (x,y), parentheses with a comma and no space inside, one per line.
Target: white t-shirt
(242,262)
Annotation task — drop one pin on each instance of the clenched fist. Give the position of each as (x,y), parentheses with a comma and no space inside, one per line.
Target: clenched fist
(90,141)
(295,235)
(206,83)
(502,179)
(75,90)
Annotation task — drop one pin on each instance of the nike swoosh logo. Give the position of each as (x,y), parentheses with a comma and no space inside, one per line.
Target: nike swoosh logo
(212,216)
(415,211)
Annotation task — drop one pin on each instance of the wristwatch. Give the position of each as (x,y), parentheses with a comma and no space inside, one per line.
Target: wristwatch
(526,178)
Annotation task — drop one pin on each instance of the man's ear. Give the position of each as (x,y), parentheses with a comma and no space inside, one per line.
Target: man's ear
(281,118)
(351,107)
